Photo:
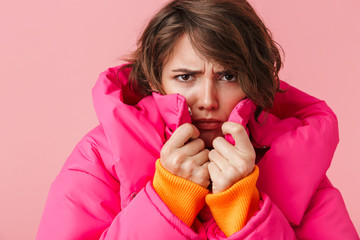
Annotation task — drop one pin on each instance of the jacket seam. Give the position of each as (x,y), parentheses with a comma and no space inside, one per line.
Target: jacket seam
(82,171)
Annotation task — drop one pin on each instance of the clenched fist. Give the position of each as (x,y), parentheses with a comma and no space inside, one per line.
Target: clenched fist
(228,163)
(184,155)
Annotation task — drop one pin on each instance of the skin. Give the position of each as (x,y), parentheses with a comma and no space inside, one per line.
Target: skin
(211,92)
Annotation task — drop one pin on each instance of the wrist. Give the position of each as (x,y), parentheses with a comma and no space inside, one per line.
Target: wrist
(184,198)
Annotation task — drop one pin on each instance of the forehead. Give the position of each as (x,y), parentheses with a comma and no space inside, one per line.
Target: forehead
(184,55)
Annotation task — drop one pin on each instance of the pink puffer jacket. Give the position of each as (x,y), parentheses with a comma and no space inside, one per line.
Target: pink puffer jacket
(104,190)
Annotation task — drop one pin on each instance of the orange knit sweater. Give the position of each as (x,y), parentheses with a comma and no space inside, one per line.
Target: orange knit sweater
(231,208)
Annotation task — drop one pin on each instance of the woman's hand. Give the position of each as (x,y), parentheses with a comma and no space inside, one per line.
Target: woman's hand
(184,158)
(228,163)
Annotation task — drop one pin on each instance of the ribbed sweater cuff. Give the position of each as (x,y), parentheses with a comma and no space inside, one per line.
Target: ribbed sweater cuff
(184,198)
(232,208)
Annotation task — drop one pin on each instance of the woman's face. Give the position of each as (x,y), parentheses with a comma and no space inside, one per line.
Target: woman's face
(210,91)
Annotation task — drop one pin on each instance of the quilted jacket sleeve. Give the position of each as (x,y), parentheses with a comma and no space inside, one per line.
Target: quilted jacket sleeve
(84,203)
(326,216)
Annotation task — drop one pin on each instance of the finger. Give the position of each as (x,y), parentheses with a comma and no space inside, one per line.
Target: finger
(202,157)
(231,167)
(189,166)
(215,174)
(226,149)
(214,171)
(203,175)
(198,159)
(194,147)
(205,165)
(239,134)
(181,135)
(243,162)
(218,159)
(204,170)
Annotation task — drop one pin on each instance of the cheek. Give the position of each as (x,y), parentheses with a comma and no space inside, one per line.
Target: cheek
(172,87)
(231,99)
(167,86)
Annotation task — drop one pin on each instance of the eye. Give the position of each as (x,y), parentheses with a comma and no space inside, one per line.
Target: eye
(228,77)
(184,77)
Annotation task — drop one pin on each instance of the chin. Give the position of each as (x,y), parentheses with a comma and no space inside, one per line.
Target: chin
(209,136)
(208,145)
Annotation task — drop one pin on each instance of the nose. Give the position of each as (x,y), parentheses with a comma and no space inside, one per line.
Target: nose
(208,95)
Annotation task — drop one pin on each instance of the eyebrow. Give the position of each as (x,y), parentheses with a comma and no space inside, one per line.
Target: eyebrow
(189,71)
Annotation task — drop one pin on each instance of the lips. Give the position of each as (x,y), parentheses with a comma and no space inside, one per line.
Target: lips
(207,124)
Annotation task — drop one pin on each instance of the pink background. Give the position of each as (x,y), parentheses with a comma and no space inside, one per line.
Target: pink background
(51,55)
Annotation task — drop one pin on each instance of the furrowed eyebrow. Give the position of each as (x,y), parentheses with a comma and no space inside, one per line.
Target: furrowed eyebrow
(223,72)
(189,71)
(186,71)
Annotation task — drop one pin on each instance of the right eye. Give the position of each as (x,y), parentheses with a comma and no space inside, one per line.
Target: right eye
(184,77)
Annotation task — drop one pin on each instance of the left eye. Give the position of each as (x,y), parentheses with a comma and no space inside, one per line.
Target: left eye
(184,77)
(228,77)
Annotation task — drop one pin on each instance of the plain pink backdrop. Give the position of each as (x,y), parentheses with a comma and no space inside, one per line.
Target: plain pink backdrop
(51,55)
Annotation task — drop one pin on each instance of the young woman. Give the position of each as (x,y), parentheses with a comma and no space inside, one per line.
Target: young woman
(198,139)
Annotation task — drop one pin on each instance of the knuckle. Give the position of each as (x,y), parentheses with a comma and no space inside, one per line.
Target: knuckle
(198,143)
(177,160)
(187,167)
(204,173)
(205,152)
(176,163)
(165,151)
(217,140)
(201,143)
(238,128)
(212,154)
(252,156)
(186,127)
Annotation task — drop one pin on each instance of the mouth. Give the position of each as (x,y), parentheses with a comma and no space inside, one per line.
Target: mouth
(208,124)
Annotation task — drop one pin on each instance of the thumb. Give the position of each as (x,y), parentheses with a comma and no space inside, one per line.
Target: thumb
(237,135)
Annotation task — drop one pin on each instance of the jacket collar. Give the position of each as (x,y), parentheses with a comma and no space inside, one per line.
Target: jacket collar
(173,110)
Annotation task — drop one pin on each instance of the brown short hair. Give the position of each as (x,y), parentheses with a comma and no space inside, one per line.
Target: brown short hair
(228,32)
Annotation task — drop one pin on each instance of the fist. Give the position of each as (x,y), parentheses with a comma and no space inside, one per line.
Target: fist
(185,156)
(228,163)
